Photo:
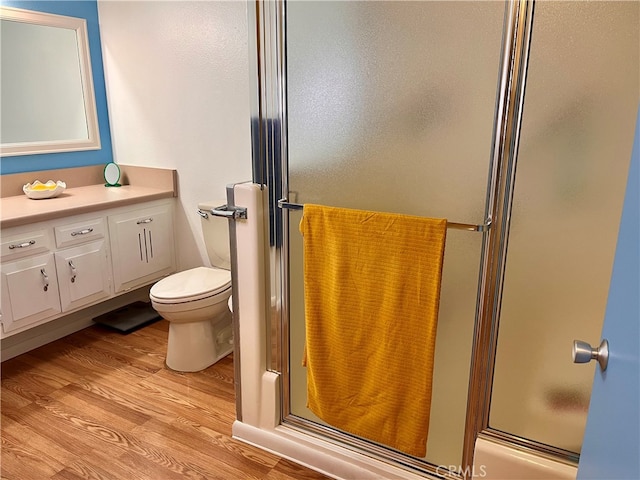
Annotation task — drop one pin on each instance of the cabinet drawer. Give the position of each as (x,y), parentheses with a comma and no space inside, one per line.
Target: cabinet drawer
(23,244)
(80,232)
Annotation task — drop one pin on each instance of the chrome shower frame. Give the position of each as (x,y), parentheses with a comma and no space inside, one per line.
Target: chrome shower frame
(268,69)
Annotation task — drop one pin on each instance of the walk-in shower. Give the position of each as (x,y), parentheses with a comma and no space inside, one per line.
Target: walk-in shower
(513,119)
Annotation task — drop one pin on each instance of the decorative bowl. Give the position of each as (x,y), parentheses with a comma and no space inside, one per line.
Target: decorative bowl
(38,190)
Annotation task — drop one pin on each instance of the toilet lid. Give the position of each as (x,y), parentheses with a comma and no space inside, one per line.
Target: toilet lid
(189,285)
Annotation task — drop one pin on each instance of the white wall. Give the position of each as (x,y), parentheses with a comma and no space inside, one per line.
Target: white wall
(178,94)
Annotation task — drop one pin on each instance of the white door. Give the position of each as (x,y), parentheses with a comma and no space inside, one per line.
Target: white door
(83,274)
(611,446)
(29,291)
(141,246)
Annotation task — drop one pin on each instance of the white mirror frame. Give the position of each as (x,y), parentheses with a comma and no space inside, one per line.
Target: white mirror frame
(80,27)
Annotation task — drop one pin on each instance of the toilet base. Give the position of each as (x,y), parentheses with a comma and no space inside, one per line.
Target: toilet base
(195,346)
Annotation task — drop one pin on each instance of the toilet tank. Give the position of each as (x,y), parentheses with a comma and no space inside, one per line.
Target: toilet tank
(215,231)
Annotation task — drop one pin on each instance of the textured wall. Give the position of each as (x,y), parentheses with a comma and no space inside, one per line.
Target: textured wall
(178,95)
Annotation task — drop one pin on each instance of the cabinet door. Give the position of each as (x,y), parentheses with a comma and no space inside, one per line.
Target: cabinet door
(83,275)
(29,291)
(141,246)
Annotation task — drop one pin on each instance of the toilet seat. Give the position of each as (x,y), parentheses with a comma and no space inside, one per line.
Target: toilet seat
(191,285)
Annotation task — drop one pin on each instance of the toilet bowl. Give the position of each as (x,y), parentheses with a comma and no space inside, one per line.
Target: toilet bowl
(195,303)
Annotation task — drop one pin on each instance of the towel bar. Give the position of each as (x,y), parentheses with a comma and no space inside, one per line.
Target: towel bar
(283,203)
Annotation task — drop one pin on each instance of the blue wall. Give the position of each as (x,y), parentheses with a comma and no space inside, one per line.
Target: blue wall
(48,161)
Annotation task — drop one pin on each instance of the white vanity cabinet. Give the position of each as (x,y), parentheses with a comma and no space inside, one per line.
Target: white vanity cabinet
(52,268)
(28,282)
(141,246)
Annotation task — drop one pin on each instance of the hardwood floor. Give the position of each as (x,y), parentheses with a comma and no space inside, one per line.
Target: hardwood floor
(102,406)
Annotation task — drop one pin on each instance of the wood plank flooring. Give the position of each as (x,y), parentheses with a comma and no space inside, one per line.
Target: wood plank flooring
(98,405)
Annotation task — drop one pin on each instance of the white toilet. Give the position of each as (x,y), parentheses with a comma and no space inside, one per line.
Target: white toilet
(195,302)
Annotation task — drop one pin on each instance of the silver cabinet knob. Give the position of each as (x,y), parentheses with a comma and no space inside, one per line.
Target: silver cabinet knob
(584,353)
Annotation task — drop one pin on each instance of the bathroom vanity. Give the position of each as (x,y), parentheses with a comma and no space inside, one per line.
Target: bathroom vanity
(84,252)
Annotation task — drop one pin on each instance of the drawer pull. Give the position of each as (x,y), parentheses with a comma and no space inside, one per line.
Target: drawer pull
(82,232)
(22,245)
(73,271)
(146,220)
(45,277)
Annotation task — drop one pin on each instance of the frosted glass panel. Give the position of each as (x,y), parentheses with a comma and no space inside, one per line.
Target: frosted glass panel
(390,108)
(577,134)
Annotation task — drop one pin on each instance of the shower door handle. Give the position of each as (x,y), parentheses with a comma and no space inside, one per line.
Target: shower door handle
(584,353)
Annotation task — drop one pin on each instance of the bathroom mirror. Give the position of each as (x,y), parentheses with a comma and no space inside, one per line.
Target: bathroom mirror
(48,102)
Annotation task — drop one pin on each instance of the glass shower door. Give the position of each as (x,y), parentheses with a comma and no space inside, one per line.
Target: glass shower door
(577,134)
(390,107)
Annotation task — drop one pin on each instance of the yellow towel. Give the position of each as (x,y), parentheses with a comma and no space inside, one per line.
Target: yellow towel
(372,289)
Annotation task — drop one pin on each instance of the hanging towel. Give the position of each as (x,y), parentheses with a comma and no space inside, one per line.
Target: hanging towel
(372,289)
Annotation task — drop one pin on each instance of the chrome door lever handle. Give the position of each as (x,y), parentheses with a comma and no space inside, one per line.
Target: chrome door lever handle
(584,353)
